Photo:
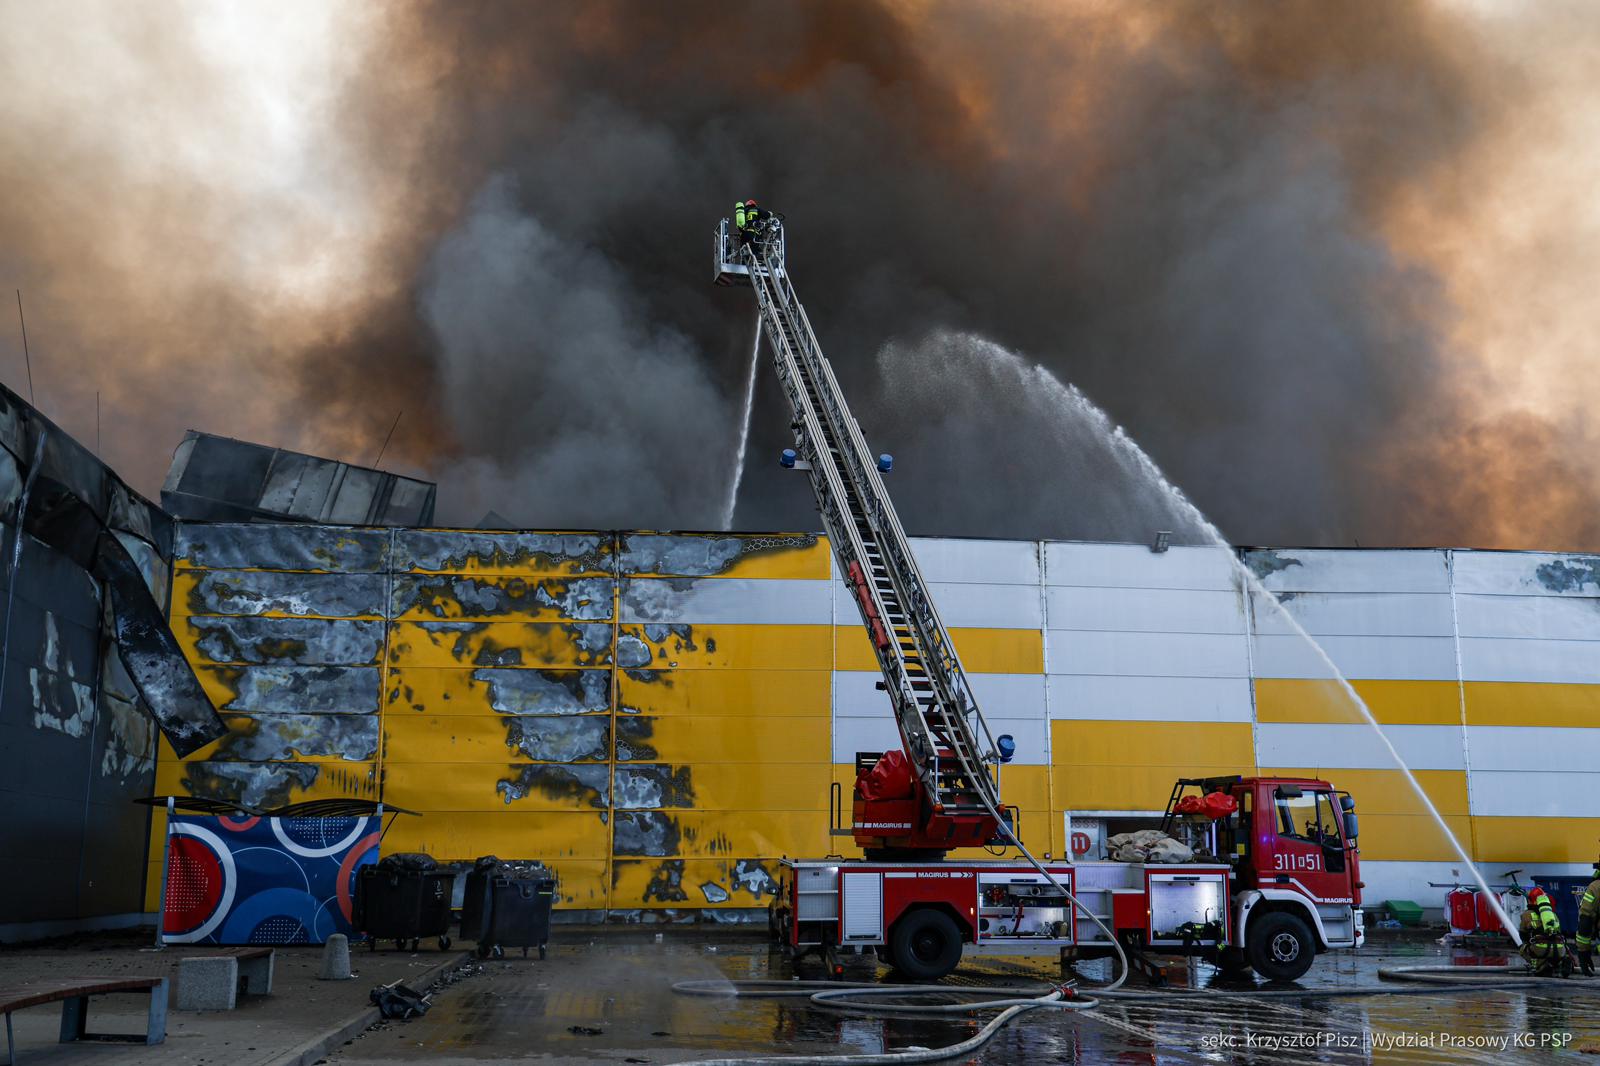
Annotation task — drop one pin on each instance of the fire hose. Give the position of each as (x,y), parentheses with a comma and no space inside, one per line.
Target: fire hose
(844,996)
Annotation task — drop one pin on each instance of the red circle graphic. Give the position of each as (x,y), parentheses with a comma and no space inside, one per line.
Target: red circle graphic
(194,884)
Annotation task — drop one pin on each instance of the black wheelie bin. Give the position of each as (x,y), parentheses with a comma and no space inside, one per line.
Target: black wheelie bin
(507,905)
(404,897)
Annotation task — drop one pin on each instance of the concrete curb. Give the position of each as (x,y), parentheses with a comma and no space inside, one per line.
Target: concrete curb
(319,1046)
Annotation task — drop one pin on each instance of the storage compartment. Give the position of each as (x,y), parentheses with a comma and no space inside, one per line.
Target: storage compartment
(1019,908)
(1187,908)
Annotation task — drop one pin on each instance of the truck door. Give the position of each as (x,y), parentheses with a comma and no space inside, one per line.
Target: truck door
(1309,851)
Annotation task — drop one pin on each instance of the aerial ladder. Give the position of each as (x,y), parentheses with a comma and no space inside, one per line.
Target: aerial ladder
(941,791)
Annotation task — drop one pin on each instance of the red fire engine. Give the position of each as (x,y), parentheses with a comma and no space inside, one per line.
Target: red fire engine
(1276,875)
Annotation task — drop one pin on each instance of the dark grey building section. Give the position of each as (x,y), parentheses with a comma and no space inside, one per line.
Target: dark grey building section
(218,479)
(84,578)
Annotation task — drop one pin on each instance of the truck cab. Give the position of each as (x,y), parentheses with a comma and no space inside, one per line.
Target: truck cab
(1292,846)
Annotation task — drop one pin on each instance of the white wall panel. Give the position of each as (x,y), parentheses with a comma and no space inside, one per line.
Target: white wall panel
(1531,617)
(856,695)
(851,735)
(1321,614)
(1136,566)
(727,599)
(1146,654)
(1144,609)
(965,604)
(1150,699)
(1537,750)
(1526,573)
(1371,658)
(994,562)
(1295,744)
(1573,662)
(1511,794)
(1335,570)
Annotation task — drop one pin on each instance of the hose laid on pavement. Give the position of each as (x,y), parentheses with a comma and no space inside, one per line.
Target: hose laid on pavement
(838,995)
(1017,999)
(1508,976)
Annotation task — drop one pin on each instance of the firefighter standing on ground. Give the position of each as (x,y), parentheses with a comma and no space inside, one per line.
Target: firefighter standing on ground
(1543,944)
(1588,913)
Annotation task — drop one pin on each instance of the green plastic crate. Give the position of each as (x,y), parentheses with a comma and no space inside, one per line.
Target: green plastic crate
(1405,911)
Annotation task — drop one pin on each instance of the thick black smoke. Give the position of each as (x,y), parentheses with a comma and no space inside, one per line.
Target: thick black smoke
(1183,217)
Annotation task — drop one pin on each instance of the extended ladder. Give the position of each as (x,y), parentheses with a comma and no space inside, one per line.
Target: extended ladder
(942,730)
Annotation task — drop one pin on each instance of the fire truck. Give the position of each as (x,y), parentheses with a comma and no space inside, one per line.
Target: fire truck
(1275,875)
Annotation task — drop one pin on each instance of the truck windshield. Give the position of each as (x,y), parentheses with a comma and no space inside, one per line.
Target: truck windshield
(1311,816)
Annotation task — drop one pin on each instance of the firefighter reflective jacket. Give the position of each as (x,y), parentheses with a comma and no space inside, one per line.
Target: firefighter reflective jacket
(1588,911)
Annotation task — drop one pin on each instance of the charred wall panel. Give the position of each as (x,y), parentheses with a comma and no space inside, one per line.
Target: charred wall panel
(76,746)
(498,715)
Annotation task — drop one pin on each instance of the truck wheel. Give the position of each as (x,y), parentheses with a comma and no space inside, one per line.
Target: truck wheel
(1281,946)
(925,944)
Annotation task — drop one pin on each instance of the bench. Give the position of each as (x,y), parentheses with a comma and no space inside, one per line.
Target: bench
(214,982)
(255,968)
(73,993)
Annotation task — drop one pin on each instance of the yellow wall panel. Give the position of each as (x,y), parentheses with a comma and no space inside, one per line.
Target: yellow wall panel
(721,739)
(581,884)
(1391,702)
(547,835)
(502,644)
(1387,791)
(1518,840)
(507,597)
(720,646)
(740,787)
(1176,744)
(424,738)
(1411,837)
(1521,703)
(712,834)
(441,787)
(332,780)
(693,883)
(767,556)
(1127,788)
(730,692)
(451,692)
(982,651)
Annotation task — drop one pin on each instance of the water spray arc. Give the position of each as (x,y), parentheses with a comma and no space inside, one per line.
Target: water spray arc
(737,475)
(1082,408)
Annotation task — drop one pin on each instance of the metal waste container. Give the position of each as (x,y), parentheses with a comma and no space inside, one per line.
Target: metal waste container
(403,898)
(507,905)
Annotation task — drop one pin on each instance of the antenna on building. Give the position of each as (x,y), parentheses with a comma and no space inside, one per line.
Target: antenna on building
(26,358)
(386,440)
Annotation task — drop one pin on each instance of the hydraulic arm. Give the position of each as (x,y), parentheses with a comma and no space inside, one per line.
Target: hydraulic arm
(940,792)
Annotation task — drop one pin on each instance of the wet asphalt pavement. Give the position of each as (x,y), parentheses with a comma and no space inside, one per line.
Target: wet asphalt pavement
(607,997)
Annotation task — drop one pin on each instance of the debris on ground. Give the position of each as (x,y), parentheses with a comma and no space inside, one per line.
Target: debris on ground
(398,1001)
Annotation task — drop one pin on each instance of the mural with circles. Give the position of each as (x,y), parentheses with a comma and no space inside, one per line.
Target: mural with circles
(241,880)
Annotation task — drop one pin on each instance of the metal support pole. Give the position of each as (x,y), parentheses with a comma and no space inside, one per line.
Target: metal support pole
(166,862)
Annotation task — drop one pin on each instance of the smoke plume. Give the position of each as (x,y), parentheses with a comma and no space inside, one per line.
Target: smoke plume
(1327,263)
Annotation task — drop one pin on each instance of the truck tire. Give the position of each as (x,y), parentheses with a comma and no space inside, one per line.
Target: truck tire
(1281,946)
(925,944)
